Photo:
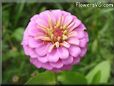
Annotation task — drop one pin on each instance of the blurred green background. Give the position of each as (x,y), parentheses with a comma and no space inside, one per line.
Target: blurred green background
(96,67)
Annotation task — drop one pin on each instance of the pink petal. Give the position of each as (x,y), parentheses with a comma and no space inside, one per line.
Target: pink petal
(83,52)
(83,42)
(26,35)
(32,53)
(74,41)
(33,43)
(50,18)
(24,42)
(53,56)
(56,70)
(74,51)
(57,64)
(41,22)
(66,44)
(53,19)
(81,34)
(42,49)
(70,26)
(57,14)
(43,59)
(26,49)
(68,20)
(36,63)
(81,27)
(75,24)
(68,60)
(64,16)
(72,34)
(51,47)
(42,18)
(66,67)
(34,17)
(64,13)
(63,52)
(47,66)
(86,36)
(44,15)
(76,60)
(36,32)
(32,29)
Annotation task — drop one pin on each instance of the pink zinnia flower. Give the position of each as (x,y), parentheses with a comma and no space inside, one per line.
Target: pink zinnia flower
(55,40)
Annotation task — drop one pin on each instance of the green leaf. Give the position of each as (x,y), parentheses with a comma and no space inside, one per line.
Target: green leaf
(69,77)
(11,53)
(18,34)
(45,78)
(104,69)
(108,10)
(95,46)
(106,53)
(96,78)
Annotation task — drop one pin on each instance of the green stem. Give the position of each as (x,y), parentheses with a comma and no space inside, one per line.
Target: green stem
(56,74)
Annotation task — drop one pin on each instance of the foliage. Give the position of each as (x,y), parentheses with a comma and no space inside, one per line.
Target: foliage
(95,68)
(45,78)
(100,74)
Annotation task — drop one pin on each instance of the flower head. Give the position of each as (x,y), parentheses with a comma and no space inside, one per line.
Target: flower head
(55,40)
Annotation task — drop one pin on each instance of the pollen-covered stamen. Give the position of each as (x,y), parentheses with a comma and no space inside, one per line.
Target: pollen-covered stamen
(57,35)
(58,32)
(44,38)
(58,22)
(57,44)
(73,33)
(64,37)
(65,44)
